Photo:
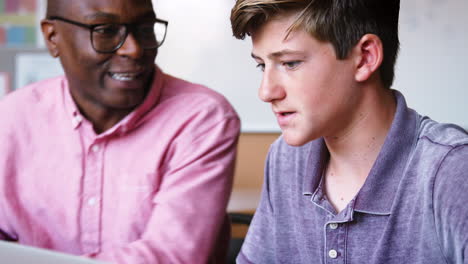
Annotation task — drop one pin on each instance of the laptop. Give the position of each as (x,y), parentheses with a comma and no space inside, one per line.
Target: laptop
(13,253)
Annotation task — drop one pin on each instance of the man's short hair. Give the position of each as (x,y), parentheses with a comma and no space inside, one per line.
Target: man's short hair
(341,22)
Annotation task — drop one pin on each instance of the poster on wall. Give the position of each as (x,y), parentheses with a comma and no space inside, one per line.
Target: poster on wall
(19,23)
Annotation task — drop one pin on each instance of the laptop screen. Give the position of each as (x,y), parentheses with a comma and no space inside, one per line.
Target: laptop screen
(13,253)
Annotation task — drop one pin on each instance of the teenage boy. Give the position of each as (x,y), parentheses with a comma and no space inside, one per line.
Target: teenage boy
(357,176)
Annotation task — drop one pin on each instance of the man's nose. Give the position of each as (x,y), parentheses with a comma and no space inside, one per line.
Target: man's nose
(130,48)
(271,88)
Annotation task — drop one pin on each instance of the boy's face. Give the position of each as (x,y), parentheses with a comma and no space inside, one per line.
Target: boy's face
(311,93)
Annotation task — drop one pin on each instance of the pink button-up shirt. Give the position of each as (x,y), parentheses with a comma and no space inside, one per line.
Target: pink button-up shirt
(152,189)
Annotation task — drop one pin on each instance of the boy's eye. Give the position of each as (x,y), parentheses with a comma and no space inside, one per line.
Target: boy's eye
(261,66)
(291,64)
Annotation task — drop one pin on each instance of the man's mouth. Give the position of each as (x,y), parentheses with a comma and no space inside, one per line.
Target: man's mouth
(286,113)
(124,76)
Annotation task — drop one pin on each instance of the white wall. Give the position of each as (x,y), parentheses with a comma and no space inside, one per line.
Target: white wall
(432,68)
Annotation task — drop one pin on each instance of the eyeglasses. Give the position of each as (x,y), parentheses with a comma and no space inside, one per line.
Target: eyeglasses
(107,38)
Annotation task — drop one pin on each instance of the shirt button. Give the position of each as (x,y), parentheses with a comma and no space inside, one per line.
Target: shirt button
(92,201)
(77,120)
(333,254)
(95,148)
(333,226)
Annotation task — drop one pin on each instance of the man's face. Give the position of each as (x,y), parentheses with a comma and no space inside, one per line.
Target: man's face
(311,92)
(117,80)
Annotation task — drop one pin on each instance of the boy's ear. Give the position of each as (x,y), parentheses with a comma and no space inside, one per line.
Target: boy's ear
(49,33)
(369,57)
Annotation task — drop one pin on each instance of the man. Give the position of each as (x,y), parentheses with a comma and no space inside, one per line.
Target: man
(116,160)
(357,176)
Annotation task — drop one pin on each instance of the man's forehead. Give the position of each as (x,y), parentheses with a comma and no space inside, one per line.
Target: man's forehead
(84,8)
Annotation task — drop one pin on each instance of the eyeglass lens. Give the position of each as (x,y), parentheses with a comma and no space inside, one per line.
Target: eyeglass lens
(108,38)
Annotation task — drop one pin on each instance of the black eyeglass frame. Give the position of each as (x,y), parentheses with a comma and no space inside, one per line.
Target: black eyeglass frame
(128,28)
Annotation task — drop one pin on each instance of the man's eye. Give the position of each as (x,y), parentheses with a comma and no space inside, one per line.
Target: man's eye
(147,29)
(261,66)
(292,64)
(107,30)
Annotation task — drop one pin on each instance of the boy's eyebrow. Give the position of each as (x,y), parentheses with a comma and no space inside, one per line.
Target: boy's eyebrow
(279,54)
(255,56)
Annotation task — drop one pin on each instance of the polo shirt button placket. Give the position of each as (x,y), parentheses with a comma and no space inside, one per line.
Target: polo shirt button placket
(334,240)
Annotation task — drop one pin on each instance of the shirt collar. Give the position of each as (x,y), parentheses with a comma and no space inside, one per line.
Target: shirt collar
(318,156)
(377,194)
(132,119)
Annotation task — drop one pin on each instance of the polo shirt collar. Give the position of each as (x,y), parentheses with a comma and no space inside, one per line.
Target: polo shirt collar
(318,157)
(378,192)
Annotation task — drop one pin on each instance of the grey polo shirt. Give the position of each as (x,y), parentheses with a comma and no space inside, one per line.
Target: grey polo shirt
(412,208)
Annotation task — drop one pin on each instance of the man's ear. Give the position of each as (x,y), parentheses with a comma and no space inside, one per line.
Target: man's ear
(49,33)
(369,57)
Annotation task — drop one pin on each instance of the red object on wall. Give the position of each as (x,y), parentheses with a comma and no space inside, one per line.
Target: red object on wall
(28,6)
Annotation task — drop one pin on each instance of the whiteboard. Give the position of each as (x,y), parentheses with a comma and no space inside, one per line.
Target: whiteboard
(431,69)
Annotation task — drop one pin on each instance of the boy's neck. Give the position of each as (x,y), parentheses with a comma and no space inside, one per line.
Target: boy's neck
(354,150)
